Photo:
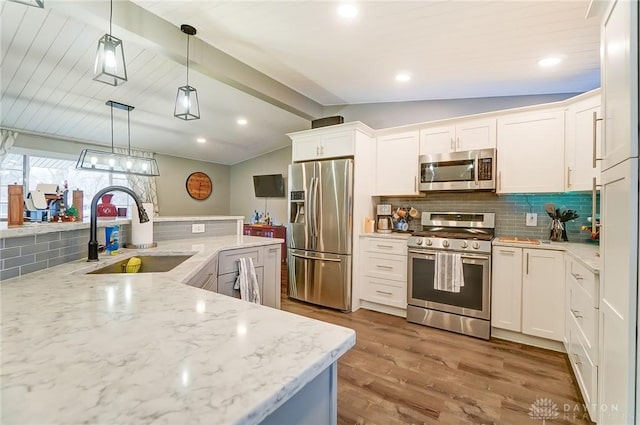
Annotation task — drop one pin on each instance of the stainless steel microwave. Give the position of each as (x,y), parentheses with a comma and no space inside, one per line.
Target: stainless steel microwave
(467,170)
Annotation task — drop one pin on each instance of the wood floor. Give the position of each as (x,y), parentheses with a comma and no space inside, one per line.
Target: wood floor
(402,373)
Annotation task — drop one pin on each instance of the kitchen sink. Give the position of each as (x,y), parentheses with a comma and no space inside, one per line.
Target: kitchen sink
(149,264)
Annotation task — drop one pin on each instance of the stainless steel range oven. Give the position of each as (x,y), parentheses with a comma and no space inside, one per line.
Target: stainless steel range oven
(464,241)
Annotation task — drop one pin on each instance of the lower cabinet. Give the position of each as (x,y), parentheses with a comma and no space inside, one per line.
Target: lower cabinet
(528,291)
(581,329)
(220,275)
(384,274)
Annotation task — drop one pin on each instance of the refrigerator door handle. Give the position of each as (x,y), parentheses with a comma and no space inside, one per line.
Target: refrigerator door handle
(335,260)
(316,186)
(310,206)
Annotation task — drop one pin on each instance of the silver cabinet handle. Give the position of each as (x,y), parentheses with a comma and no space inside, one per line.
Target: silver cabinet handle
(568,176)
(594,187)
(380,266)
(576,314)
(577,359)
(384,292)
(595,135)
(527,272)
(384,246)
(476,171)
(317,150)
(507,251)
(415,184)
(576,276)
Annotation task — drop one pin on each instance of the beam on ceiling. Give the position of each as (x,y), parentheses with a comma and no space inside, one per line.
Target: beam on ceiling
(132,22)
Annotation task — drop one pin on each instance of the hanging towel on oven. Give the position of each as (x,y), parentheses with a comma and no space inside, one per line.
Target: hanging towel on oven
(247,281)
(448,274)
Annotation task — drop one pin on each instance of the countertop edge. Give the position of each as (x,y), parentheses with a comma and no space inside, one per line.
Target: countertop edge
(580,251)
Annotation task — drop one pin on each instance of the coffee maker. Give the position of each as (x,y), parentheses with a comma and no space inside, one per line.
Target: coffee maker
(384,220)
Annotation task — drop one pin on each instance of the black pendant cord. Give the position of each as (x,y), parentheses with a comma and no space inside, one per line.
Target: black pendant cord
(129,128)
(110,15)
(112,150)
(188,60)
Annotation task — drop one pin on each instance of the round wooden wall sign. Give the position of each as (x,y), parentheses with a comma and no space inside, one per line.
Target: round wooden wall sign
(199,186)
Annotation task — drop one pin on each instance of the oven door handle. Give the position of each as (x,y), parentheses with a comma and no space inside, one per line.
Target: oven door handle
(432,254)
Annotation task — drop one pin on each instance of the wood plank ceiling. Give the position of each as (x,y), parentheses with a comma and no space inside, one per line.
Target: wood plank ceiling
(454,49)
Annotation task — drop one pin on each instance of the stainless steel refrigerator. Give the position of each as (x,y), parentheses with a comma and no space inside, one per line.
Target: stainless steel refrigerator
(319,232)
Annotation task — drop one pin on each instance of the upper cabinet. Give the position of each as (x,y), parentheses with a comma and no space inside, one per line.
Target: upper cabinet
(530,149)
(620,83)
(326,142)
(465,135)
(397,164)
(582,144)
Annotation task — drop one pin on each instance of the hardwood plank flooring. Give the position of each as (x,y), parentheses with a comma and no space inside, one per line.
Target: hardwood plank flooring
(403,373)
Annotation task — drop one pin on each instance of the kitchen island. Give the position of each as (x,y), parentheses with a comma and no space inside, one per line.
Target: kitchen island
(147,348)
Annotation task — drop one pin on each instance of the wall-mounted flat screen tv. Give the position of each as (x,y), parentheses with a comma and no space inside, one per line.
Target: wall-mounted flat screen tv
(269,186)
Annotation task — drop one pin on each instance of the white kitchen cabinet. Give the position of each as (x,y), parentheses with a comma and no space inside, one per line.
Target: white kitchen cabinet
(619,75)
(384,274)
(462,136)
(327,142)
(582,144)
(528,291)
(581,329)
(397,164)
(543,293)
(618,297)
(506,288)
(530,149)
(618,307)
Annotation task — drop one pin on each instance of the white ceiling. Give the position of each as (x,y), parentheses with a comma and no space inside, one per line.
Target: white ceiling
(453,49)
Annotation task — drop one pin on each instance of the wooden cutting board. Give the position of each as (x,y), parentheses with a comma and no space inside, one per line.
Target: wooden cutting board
(514,239)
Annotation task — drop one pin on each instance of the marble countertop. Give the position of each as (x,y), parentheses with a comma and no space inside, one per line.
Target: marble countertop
(588,254)
(38,228)
(142,348)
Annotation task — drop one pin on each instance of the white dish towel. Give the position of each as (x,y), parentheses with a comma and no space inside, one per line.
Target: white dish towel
(247,281)
(448,274)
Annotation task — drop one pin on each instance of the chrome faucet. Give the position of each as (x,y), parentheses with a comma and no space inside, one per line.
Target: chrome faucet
(93,232)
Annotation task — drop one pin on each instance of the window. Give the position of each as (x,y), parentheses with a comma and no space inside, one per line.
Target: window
(41,169)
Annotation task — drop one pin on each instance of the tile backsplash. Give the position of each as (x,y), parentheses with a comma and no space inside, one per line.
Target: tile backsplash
(510,210)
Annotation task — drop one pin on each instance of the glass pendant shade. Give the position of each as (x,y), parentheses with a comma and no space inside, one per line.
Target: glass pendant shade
(34,3)
(187,106)
(95,160)
(109,67)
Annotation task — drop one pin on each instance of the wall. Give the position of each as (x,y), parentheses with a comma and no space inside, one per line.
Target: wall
(172,195)
(173,199)
(393,114)
(243,201)
(510,210)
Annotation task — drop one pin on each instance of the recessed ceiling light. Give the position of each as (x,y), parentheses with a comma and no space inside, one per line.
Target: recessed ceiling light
(549,61)
(347,10)
(242,121)
(201,140)
(403,77)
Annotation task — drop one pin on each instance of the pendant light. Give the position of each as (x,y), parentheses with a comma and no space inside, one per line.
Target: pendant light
(112,162)
(187,106)
(109,66)
(34,3)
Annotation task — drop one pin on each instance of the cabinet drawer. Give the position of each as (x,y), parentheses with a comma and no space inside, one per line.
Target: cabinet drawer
(386,245)
(584,278)
(585,316)
(228,260)
(384,292)
(392,267)
(227,281)
(585,370)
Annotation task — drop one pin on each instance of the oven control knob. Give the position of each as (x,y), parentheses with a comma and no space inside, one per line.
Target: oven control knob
(445,243)
(463,244)
(418,241)
(475,245)
(428,242)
